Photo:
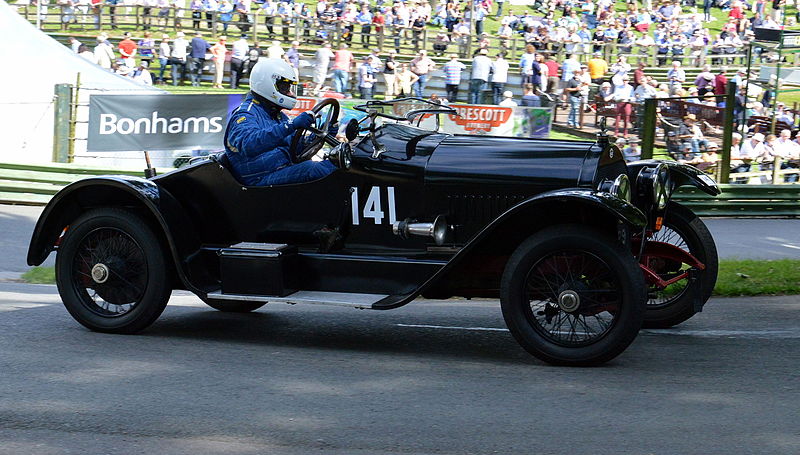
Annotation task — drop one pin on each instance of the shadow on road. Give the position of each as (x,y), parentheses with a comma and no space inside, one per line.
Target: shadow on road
(336,330)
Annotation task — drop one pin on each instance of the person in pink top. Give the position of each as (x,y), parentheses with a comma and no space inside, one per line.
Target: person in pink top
(218,51)
(342,64)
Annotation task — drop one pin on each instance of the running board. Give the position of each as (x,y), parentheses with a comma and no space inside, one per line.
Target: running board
(346,299)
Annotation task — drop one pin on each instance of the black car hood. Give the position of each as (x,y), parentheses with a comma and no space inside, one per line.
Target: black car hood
(503,162)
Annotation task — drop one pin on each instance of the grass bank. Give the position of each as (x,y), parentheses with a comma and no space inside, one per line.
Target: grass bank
(736,277)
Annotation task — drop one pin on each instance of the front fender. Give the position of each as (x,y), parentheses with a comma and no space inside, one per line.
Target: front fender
(110,191)
(517,219)
(680,175)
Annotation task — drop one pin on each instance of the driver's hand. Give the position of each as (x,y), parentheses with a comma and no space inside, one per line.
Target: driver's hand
(303,120)
(333,129)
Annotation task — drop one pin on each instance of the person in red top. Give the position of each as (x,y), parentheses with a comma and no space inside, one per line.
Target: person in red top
(721,81)
(736,11)
(342,64)
(378,20)
(552,75)
(127,50)
(638,75)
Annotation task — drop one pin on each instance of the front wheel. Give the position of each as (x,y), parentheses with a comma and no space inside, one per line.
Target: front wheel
(572,296)
(676,303)
(111,272)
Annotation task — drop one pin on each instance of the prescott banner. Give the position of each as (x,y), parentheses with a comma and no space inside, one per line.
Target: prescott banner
(122,123)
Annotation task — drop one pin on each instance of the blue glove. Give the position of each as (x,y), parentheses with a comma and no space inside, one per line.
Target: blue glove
(333,128)
(303,120)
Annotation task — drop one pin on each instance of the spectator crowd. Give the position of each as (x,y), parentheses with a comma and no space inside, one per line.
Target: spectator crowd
(580,54)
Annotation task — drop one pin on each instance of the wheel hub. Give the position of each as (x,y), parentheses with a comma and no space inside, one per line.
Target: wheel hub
(569,301)
(100,273)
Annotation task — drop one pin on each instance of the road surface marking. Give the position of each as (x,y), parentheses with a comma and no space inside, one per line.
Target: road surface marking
(788,333)
(790,246)
(21,306)
(423,326)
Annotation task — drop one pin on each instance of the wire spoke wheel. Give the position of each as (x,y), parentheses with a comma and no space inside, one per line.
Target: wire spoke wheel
(678,302)
(110,272)
(668,270)
(573,297)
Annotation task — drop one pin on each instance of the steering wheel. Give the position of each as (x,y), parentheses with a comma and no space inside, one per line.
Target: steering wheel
(325,113)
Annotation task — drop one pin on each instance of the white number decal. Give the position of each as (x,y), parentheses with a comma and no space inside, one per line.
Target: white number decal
(354,204)
(372,206)
(392,215)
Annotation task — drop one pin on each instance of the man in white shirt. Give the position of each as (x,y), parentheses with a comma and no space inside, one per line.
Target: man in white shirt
(785,147)
(644,91)
(789,151)
(322,60)
(275,50)
(74,44)
(508,100)
(178,58)
(499,77)
(676,76)
(752,148)
(238,58)
(452,77)
(142,74)
(623,95)
(481,67)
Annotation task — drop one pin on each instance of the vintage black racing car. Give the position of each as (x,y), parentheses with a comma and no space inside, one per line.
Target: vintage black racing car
(581,248)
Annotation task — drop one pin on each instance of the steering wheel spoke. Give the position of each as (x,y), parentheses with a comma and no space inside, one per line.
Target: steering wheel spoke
(307,141)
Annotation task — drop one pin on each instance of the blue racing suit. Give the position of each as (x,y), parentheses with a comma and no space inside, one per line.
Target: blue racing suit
(257,145)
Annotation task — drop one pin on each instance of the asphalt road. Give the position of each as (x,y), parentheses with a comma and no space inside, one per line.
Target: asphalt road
(438,377)
(305,379)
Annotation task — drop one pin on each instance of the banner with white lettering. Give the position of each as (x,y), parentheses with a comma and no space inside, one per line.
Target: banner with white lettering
(197,122)
(158,122)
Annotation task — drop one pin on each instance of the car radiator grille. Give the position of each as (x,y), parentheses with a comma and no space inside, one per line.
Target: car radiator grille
(468,213)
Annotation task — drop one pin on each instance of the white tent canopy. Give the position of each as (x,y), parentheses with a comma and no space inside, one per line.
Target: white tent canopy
(37,63)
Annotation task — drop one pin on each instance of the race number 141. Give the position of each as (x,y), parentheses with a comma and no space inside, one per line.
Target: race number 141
(372,206)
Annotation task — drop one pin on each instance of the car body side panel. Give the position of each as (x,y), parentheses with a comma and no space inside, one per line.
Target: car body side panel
(474,179)
(613,207)
(134,193)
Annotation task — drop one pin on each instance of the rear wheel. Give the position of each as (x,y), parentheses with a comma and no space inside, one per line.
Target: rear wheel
(675,304)
(111,272)
(572,296)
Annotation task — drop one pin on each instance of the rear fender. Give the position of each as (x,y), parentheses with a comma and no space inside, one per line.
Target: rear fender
(158,207)
(680,175)
(487,253)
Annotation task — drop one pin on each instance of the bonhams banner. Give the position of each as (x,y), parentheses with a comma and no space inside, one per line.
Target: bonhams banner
(197,122)
(158,122)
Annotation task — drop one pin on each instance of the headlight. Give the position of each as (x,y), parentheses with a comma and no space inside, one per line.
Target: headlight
(620,187)
(653,183)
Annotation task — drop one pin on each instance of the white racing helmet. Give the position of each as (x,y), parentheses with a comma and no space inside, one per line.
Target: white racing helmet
(274,80)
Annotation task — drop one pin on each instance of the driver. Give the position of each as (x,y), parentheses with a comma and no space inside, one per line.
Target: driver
(258,134)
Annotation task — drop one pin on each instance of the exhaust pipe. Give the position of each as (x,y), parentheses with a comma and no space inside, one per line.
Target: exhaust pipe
(436,230)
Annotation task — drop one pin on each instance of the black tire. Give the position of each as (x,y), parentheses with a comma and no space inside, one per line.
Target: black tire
(684,229)
(111,272)
(230,306)
(544,268)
